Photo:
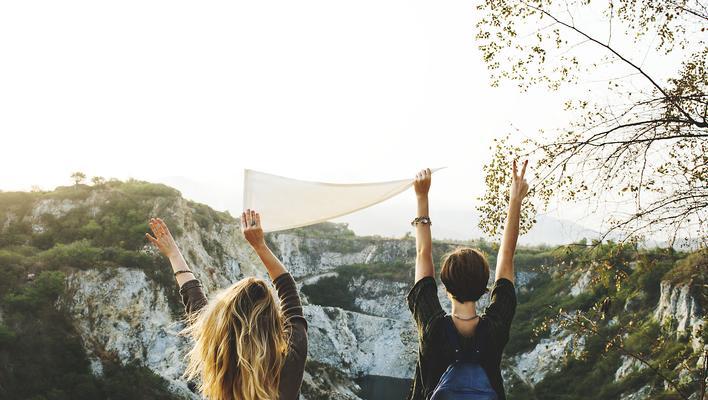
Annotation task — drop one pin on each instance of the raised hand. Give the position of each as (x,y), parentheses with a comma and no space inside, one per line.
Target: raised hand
(519,186)
(422,182)
(519,189)
(253,232)
(251,228)
(163,239)
(423,240)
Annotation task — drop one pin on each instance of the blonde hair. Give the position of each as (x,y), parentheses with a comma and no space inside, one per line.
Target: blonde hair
(240,344)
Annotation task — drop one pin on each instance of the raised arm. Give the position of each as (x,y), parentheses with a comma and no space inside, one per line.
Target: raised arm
(505,258)
(423,240)
(164,241)
(253,232)
(290,304)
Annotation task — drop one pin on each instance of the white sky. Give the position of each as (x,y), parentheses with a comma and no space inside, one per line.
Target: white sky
(190,93)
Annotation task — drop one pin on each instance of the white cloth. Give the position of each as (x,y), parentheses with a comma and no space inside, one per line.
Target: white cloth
(285,203)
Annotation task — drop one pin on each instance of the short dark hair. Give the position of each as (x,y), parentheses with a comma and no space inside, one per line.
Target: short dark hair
(465,273)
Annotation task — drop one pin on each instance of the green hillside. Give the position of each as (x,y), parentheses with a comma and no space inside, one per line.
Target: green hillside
(41,355)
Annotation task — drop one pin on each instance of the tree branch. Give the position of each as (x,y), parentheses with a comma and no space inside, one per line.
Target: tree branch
(618,55)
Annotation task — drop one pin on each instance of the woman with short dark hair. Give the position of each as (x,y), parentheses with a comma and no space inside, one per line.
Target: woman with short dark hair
(459,354)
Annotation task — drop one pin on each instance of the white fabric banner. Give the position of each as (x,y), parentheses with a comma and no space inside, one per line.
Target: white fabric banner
(286,203)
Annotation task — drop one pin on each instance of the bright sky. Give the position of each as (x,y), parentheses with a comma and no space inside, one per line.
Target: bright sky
(190,93)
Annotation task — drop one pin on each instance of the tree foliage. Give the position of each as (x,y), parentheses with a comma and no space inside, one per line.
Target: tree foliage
(78,177)
(610,320)
(41,354)
(645,146)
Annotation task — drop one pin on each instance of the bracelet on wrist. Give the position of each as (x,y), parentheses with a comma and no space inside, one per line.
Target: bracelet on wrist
(184,271)
(421,220)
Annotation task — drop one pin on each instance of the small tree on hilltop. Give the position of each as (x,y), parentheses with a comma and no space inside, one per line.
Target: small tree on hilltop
(98,180)
(78,177)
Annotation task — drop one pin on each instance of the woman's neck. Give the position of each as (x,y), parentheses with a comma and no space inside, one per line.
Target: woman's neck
(467,309)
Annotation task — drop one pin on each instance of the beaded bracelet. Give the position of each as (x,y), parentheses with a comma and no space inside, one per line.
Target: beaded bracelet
(421,220)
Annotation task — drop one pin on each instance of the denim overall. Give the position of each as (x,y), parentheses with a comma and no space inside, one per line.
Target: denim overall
(465,378)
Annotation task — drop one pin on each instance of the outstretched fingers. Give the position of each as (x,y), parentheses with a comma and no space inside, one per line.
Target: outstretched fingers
(423,174)
(523,169)
(159,230)
(250,219)
(154,228)
(163,227)
(152,239)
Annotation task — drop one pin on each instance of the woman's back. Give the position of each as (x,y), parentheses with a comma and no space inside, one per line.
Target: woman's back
(437,351)
(246,345)
(295,326)
(466,329)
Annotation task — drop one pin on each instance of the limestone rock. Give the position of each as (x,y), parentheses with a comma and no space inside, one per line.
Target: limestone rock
(679,308)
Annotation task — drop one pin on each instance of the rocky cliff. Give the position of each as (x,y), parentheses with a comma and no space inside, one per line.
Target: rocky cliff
(679,309)
(354,292)
(122,314)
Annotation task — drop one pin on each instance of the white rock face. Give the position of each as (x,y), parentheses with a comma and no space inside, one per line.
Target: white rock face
(96,366)
(361,344)
(641,394)
(582,284)
(522,278)
(381,298)
(321,384)
(306,256)
(548,356)
(628,366)
(121,314)
(311,280)
(55,207)
(678,305)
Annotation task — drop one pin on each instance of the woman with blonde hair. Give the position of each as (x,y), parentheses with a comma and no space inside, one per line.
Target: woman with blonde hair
(246,346)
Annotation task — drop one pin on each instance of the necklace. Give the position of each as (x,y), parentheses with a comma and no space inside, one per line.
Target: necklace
(465,318)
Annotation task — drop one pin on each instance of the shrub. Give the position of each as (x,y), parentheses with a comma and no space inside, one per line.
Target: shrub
(331,291)
(45,289)
(77,254)
(9,258)
(74,192)
(146,189)
(134,381)
(6,335)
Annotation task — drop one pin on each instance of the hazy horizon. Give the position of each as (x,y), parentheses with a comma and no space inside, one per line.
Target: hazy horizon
(299,90)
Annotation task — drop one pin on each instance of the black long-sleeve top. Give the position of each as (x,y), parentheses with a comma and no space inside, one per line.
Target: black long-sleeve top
(291,375)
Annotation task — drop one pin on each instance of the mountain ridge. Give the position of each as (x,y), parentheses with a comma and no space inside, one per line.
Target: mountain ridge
(93,237)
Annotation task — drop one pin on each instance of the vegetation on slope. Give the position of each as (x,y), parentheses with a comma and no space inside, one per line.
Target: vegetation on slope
(622,294)
(614,318)
(41,355)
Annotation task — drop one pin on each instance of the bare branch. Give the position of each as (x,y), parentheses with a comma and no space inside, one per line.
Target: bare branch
(625,60)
